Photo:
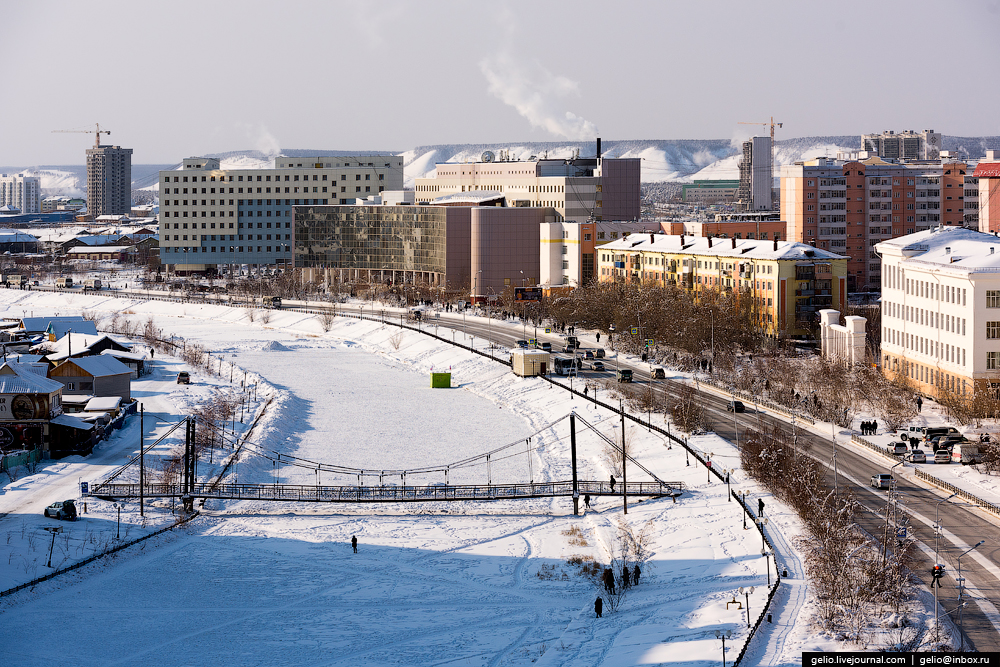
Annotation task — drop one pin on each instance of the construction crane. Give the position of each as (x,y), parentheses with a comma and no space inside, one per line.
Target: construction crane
(99,132)
(772,124)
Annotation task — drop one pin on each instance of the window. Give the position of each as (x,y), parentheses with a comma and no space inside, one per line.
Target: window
(993,329)
(992,359)
(993,298)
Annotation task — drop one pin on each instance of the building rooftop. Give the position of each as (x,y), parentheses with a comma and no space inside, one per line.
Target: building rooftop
(957,248)
(699,245)
(16,378)
(474,198)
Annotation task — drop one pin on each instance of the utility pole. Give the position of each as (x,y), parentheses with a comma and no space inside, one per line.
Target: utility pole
(624,459)
(142,471)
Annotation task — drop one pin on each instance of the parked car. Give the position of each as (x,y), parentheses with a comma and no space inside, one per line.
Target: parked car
(736,406)
(183,378)
(883,480)
(598,366)
(934,431)
(966,453)
(918,456)
(942,456)
(65,510)
(899,449)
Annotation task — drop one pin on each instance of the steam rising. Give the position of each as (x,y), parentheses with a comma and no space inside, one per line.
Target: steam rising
(534,95)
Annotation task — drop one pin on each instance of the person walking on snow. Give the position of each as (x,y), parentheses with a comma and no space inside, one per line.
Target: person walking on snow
(598,606)
(612,484)
(354,543)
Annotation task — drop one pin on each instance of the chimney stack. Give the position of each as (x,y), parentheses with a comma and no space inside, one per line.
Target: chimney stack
(598,148)
(709,242)
(734,242)
(775,245)
(652,238)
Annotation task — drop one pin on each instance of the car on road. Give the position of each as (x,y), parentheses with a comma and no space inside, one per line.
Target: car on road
(547,347)
(522,343)
(588,355)
(183,378)
(736,406)
(65,510)
(883,480)
(599,353)
(917,456)
(659,374)
(624,375)
(942,456)
(598,365)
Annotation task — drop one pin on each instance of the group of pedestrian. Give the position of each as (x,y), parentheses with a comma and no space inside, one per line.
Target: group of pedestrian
(869,428)
(629,577)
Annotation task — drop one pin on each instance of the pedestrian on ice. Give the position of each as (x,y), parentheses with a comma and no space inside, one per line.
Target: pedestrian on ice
(354,543)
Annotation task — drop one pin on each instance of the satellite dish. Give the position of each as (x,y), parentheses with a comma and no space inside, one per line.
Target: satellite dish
(488,156)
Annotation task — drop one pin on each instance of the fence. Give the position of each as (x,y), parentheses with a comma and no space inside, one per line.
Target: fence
(756,400)
(985,504)
(872,446)
(10,461)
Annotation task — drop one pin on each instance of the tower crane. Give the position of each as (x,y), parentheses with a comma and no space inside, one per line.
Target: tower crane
(98,132)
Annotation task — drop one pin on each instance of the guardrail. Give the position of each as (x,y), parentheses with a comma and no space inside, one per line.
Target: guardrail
(872,446)
(756,400)
(985,504)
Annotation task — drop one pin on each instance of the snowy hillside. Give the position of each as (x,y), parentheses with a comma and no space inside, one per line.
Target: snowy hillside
(662,159)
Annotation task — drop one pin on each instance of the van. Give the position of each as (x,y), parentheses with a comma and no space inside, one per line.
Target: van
(935,431)
(92,283)
(272,302)
(659,374)
(64,282)
(624,375)
(965,453)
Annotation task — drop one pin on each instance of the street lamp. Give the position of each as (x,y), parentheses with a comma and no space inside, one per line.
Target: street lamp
(747,592)
(767,564)
(54,530)
(961,592)
(762,523)
(728,634)
(118,506)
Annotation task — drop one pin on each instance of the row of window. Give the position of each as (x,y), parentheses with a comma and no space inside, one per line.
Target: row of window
(895,278)
(231,249)
(929,375)
(266,179)
(222,225)
(926,346)
(239,237)
(929,318)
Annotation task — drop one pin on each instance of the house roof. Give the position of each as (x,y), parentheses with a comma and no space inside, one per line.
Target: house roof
(60,325)
(89,250)
(952,248)
(987,170)
(15,378)
(103,403)
(81,344)
(699,245)
(99,366)
(131,356)
(72,422)
(475,197)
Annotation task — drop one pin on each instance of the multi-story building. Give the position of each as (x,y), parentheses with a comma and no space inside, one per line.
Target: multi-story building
(987,178)
(756,176)
(848,207)
(941,309)
(109,180)
(579,189)
(211,216)
(789,282)
(568,249)
(908,145)
(21,192)
(710,192)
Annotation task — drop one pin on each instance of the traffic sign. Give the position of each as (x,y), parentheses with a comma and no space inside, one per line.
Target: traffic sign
(84,488)
(635,330)
(649,342)
(901,532)
(548,330)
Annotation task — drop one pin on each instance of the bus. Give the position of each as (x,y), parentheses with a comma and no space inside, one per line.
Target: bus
(566,365)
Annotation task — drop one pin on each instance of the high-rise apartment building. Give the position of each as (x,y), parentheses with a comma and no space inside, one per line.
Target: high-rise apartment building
(908,145)
(847,207)
(211,216)
(21,192)
(109,180)
(987,182)
(579,189)
(756,176)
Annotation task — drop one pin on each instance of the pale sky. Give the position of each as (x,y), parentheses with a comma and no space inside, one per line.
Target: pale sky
(183,78)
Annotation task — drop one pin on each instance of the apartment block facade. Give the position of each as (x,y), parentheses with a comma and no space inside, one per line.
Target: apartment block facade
(848,207)
(211,216)
(908,145)
(987,180)
(756,176)
(109,180)
(579,189)
(789,282)
(21,192)
(941,310)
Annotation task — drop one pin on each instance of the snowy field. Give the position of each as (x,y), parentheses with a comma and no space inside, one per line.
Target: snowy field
(487,583)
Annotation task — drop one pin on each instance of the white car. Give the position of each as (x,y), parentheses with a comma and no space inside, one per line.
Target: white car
(882,481)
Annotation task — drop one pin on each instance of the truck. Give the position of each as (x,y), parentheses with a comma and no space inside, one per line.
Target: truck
(92,284)
(528,362)
(624,375)
(966,453)
(64,283)
(14,280)
(271,302)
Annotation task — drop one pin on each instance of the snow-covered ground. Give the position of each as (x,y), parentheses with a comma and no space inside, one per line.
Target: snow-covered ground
(486,583)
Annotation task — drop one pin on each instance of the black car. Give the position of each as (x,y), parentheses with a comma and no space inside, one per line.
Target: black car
(736,406)
(65,510)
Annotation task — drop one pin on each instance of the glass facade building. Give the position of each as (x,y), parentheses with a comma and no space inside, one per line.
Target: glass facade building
(373,242)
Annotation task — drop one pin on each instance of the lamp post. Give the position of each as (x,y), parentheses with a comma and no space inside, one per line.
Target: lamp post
(747,592)
(761,523)
(767,564)
(708,466)
(54,530)
(961,593)
(937,544)
(118,506)
(744,510)
(524,311)
(723,636)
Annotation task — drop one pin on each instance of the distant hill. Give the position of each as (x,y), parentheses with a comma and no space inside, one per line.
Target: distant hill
(662,159)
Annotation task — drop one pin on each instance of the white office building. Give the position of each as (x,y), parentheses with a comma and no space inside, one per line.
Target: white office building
(211,216)
(21,192)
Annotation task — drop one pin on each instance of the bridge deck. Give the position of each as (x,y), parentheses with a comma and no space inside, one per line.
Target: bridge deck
(387,494)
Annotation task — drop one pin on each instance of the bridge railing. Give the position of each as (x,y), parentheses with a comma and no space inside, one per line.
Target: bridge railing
(393,493)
